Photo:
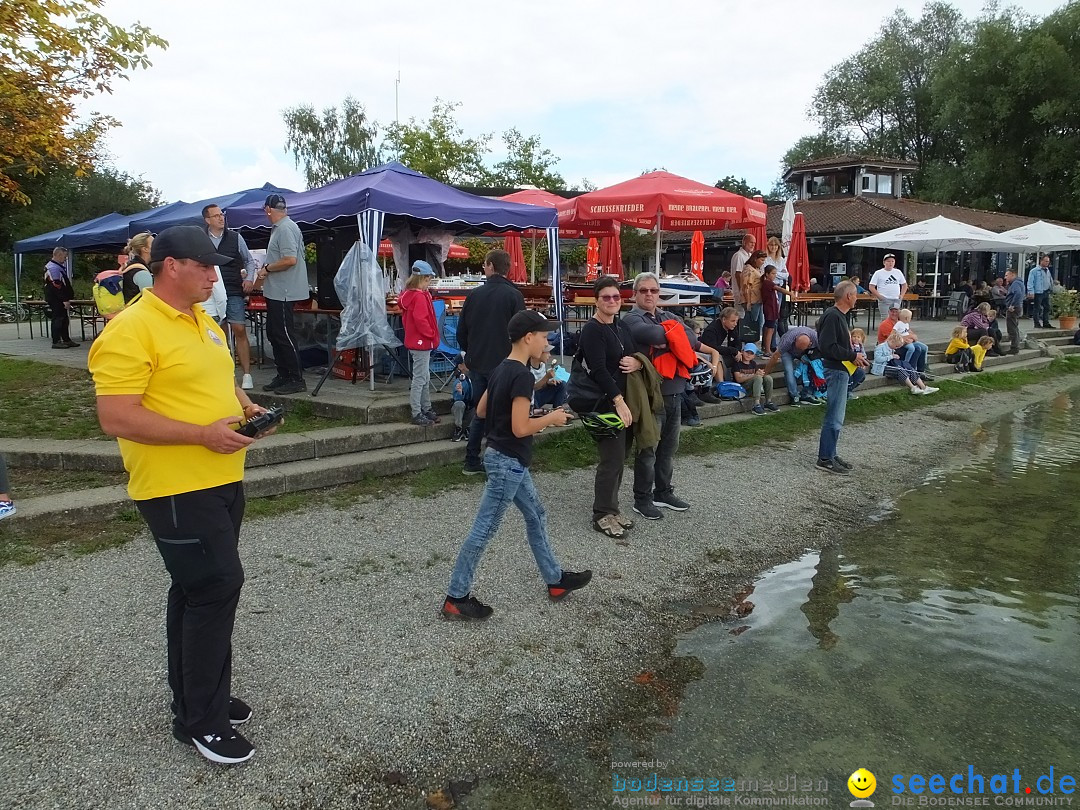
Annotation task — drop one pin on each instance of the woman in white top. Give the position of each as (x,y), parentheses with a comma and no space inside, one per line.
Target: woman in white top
(775,257)
(215,304)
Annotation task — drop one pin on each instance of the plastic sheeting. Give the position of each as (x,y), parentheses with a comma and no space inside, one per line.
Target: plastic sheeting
(360,288)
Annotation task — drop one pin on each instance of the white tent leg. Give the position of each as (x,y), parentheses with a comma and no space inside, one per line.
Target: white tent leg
(659,217)
(18,272)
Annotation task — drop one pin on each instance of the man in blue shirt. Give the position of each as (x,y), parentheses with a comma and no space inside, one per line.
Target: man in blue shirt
(1039,282)
(1014,306)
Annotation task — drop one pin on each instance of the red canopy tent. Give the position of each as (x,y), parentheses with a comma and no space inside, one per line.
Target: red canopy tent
(537,196)
(456,251)
(611,256)
(662,200)
(512,245)
(798,257)
(697,255)
(592,259)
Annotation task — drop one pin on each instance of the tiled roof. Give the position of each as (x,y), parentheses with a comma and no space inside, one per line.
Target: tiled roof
(851,160)
(861,216)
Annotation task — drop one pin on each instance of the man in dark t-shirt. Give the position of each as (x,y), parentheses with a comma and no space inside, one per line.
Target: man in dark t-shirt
(506,405)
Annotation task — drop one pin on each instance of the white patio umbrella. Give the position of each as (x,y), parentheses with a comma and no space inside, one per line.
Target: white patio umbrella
(1044,236)
(788,226)
(938,234)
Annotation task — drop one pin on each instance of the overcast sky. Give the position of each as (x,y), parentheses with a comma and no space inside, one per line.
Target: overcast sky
(704,89)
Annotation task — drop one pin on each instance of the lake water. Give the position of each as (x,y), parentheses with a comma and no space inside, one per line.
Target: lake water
(944,635)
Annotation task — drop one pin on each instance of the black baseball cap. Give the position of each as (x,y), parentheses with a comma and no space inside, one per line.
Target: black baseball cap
(527,321)
(275,201)
(186,242)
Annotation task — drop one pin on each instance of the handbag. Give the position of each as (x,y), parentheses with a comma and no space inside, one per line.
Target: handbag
(581,386)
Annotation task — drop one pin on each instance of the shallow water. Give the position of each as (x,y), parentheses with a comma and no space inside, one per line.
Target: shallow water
(945,634)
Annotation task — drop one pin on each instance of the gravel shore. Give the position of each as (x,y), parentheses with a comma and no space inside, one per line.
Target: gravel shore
(362,696)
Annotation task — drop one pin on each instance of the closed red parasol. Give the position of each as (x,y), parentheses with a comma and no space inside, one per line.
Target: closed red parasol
(697,255)
(456,251)
(592,259)
(611,256)
(512,245)
(798,258)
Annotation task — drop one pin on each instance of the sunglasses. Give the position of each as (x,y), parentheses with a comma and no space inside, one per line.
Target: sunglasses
(648,290)
(610,297)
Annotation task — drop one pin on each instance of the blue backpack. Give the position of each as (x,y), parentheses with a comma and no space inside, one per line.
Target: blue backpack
(730,390)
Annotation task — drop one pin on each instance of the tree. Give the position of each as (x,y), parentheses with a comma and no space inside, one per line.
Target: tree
(52,53)
(437,147)
(526,164)
(737,185)
(334,146)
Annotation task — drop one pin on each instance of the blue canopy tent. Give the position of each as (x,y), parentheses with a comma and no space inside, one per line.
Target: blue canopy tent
(393,195)
(109,233)
(191,213)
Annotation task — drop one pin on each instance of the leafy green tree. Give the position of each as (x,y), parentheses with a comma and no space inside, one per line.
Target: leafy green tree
(636,244)
(438,147)
(333,145)
(527,163)
(52,53)
(737,185)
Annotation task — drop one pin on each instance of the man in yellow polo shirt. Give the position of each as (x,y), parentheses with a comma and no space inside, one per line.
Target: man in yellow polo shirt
(164,378)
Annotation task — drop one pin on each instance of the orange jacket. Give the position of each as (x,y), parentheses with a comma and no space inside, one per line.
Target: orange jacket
(680,357)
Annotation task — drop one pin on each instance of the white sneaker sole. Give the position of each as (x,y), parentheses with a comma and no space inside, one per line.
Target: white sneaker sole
(218,758)
(246,384)
(662,505)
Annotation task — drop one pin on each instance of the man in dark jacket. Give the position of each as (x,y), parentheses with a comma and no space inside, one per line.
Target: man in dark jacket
(834,345)
(482,335)
(653,489)
(58,294)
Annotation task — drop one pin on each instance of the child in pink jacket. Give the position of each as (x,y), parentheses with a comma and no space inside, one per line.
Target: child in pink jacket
(421,336)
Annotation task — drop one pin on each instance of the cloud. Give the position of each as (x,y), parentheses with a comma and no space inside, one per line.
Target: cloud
(704,88)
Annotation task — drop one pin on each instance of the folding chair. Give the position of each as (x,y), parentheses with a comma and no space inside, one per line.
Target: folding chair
(445,357)
(958,304)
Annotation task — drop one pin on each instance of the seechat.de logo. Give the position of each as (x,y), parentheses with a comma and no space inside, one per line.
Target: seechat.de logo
(862,785)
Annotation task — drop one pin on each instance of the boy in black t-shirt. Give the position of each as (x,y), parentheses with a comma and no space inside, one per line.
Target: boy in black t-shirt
(757,383)
(506,405)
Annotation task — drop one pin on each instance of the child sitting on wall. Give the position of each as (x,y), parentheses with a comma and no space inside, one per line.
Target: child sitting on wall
(887,362)
(979,350)
(958,352)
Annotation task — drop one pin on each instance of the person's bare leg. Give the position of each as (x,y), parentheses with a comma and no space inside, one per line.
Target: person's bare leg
(243,346)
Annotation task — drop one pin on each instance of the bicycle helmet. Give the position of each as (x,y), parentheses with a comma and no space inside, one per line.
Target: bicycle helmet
(602,425)
(701,376)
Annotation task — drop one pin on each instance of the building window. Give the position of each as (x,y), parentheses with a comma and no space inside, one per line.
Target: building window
(821,184)
(884,184)
(869,183)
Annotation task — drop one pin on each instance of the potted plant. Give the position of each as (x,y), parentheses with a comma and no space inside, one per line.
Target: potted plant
(1065,305)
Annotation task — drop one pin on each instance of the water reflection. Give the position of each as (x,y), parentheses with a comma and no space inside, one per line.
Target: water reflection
(945,632)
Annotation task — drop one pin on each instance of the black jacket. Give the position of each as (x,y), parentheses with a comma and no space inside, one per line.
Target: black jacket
(834,339)
(481,331)
(724,341)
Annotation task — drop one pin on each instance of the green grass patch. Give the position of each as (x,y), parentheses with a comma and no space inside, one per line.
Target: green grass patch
(43,401)
(28,542)
(31,482)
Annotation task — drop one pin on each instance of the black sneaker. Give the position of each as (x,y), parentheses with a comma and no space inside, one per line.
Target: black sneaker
(459,434)
(648,510)
(806,399)
(843,463)
(239,713)
(291,387)
(771,407)
(472,468)
(71,344)
(830,465)
(571,581)
(226,748)
(705,395)
(430,414)
(468,607)
(926,376)
(274,383)
(669,500)
(421,420)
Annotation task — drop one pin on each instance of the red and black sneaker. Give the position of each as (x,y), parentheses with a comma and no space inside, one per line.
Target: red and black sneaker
(467,607)
(571,581)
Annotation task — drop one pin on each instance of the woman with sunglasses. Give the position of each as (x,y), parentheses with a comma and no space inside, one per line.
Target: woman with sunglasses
(606,357)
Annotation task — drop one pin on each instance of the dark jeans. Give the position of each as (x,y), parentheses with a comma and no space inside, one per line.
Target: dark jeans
(58,314)
(653,465)
(1040,310)
(477,427)
(553,395)
(281,332)
(973,336)
(197,535)
(609,472)
(1012,324)
(857,379)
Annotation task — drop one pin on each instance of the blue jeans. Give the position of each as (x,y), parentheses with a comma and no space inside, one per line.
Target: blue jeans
(915,353)
(477,427)
(856,379)
(790,364)
(1040,309)
(508,481)
(553,395)
(835,408)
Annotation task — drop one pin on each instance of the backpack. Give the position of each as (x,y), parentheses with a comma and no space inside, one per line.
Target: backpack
(816,377)
(108,293)
(730,390)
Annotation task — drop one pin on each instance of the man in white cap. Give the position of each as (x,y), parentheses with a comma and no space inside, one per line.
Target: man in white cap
(888,285)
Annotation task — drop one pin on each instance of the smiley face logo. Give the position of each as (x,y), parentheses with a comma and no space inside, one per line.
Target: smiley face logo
(861,783)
